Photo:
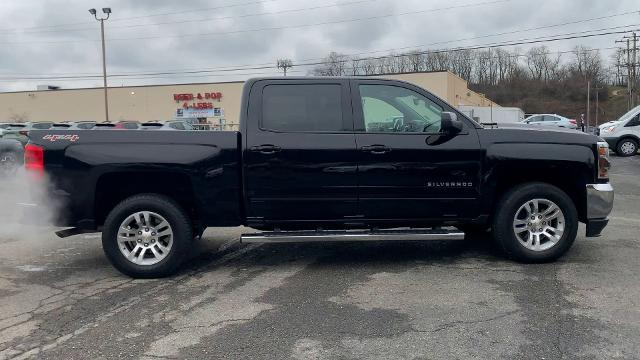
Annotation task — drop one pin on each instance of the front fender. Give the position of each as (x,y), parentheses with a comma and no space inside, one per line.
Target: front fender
(568,166)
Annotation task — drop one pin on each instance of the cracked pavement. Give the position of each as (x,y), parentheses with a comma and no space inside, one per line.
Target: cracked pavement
(60,298)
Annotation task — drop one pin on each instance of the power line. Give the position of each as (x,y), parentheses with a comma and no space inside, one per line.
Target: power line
(540,39)
(190,21)
(270,28)
(406,47)
(551,38)
(274,72)
(149,15)
(506,33)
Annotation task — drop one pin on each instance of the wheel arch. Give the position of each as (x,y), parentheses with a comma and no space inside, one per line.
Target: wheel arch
(505,178)
(114,187)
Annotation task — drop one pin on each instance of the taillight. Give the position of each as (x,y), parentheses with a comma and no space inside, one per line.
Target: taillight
(604,164)
(573,122)
(34,158)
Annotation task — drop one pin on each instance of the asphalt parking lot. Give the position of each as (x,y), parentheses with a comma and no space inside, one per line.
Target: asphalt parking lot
(60,298)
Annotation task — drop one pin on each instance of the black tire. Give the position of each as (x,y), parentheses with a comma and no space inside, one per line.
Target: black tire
(629,143)
(507,208)
(169,210)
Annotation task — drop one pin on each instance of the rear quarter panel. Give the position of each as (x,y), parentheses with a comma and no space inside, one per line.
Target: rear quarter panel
(77,160)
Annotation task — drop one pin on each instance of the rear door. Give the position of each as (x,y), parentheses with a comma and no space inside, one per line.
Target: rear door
(407,169)
(535,120)
(300,156)
(551,120)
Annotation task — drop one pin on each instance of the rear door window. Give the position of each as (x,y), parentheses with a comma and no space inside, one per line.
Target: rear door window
(302,108)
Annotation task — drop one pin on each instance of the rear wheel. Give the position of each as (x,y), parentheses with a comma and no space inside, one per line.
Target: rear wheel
(627,147)
(535,222)
(146,236)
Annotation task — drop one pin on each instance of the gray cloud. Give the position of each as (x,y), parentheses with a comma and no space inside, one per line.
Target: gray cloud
(75,48)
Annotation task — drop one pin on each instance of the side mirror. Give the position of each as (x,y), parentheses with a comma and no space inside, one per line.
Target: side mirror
(449,123)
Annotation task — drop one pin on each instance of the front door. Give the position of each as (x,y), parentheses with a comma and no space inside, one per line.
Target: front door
(407,168)
(300,155)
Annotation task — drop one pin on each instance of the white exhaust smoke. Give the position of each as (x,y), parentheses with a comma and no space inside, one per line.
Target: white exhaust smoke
(26,205)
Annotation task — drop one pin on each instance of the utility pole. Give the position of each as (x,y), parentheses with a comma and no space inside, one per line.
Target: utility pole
(629,79)
(632,64)
(284,64)
(635,75)
(106,11)
(597,89)
(588,104)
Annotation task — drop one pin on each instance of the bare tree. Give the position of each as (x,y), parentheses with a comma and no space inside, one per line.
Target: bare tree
(333,65)
(587,64)
(416,61)
(542,65)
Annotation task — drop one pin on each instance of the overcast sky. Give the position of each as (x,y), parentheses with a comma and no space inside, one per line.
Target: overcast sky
(61,38)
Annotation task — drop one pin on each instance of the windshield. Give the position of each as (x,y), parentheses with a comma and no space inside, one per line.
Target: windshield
(631,113)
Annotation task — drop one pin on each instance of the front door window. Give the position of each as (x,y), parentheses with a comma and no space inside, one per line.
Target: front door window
(392,109)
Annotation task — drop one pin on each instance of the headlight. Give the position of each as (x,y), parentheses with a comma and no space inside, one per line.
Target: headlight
(609,129)
(604,164)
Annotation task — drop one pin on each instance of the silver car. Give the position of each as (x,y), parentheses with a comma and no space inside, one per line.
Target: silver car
(551,120)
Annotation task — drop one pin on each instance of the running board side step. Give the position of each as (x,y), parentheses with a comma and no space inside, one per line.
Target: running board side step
(350,235)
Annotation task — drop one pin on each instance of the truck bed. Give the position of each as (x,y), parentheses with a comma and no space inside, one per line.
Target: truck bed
(87,168)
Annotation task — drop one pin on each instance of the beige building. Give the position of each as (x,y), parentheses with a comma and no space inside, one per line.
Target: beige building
(218,102)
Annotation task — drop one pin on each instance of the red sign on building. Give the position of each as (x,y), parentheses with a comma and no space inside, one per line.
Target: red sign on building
(193,101)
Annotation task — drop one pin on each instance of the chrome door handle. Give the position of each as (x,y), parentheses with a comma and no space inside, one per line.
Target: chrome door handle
(376,149)
(266,149)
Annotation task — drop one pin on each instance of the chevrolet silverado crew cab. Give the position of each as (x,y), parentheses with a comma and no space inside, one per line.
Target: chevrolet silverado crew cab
(327,159)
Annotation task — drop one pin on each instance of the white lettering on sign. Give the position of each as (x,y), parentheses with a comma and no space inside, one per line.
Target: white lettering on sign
(53,138)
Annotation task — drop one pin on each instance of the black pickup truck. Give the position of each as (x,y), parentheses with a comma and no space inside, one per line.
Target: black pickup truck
(327,159)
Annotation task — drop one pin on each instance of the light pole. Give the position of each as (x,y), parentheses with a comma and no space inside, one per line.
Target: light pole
(106,11)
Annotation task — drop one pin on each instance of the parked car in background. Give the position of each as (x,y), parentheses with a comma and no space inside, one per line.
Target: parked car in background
(623,135)
(61,126)
(176,125)
(551,120)
(167,125)
(11,156)
(127,125)
(104,126)
(3,129)
(20,131)
(16,131)
(151,125)
(82,125)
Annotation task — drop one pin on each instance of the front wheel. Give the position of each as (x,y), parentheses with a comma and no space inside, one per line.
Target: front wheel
(535,222)
(146,236)
(627,147)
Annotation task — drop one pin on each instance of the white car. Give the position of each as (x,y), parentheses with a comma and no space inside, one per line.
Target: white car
(551,120)
(623,135)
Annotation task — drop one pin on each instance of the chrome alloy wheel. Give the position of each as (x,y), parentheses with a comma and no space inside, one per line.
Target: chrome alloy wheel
(628,148)
(145,238)
(539,224)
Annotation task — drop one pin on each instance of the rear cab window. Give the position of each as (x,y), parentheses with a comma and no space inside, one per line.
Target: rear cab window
(302,108)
